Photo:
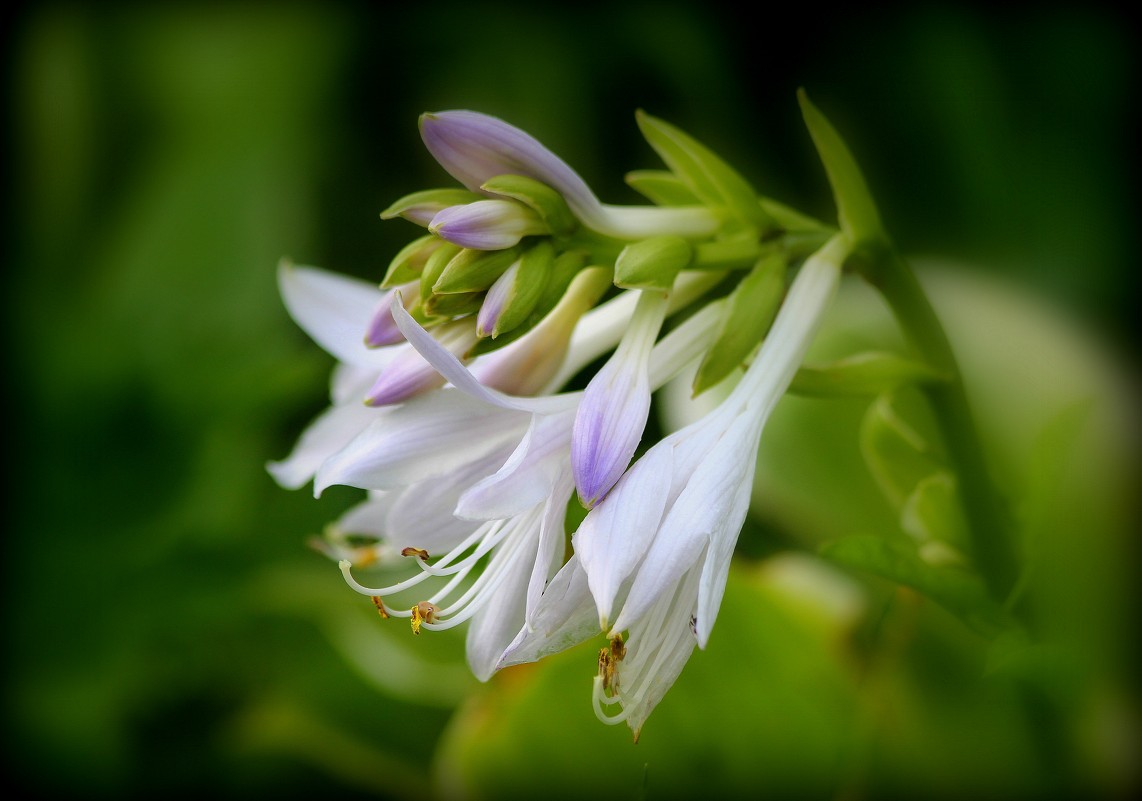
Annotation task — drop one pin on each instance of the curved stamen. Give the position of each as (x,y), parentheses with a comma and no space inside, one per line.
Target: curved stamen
(598,698)
(345,566)
(493,535)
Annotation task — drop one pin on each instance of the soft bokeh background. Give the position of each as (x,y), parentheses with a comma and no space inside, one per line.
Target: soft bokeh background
(168,630)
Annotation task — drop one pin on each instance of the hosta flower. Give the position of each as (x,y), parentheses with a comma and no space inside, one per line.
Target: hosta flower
(442,451)
(652,559)
(475,148)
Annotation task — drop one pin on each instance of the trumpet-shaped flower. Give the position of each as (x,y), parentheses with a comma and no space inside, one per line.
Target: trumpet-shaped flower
(658,548)
(520,506)
(474,148)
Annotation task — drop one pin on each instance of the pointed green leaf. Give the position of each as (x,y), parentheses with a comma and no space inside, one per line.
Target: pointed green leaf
(855,207)
(703,172)
(792,220)
(662,187)
(541,198)
(959,591)
(869,373)
(652,263)
(746,319)
(474,270)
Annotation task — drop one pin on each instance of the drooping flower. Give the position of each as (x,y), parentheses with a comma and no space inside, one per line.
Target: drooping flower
(518,508)
(658,548)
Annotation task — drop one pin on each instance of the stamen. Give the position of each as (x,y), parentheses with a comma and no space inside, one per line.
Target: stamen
(417,552)
(377,602)
(345,565)
(491,534)
(423,612)
(598,698)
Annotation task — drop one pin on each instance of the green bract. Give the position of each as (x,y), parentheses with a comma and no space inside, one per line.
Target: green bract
(855,207)
(652,263)
(868,373)
(541,198)
(745,322)
(703,172)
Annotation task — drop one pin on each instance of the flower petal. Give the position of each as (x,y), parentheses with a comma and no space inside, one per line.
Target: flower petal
(429,436)
(335,311)
(331,431)
(613,538)
(527,477)
(564,617)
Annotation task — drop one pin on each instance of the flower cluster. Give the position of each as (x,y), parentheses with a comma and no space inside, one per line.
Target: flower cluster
(446,403)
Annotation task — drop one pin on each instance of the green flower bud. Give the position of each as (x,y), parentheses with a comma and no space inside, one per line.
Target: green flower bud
(408,264)
(539,197)
(652,263)
(434,267)
(749,312)
(474,270)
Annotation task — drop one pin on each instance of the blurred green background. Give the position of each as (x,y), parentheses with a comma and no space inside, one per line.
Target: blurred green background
(168,629)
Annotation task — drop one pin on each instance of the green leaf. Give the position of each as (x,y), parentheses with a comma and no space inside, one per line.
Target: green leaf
(538,196)
(959,591)
(868,373)
(855,207)
(652,263)
(704,173)
(662,187)
(932,512)
(748,314)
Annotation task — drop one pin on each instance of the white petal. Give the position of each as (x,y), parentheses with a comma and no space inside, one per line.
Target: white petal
(616,534)
(452,370)
(430,435)
(551,547)
(367,517)
(326,435)
(335,310)
(492,629)
(527,477)
(564,617)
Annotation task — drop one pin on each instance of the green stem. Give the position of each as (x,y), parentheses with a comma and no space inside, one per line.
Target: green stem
(988,523)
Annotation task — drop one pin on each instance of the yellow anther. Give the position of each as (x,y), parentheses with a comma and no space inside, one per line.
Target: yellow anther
(377,602)
(423,612)
(417,552)
(609,659)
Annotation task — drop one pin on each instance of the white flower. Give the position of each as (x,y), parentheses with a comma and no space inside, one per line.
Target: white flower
(522,504)
(658,548)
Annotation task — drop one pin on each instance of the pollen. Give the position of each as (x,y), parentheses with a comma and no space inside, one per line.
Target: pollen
(423,612)
(377,602)
(609,659)
(420,553)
